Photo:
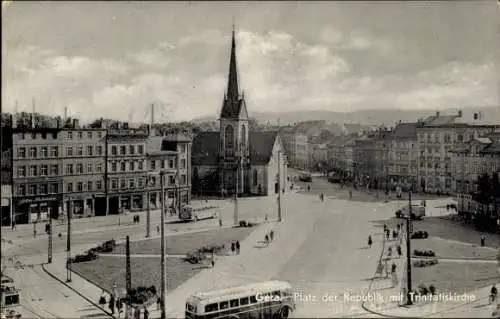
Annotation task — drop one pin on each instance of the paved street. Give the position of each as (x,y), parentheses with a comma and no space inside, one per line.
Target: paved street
(320,247)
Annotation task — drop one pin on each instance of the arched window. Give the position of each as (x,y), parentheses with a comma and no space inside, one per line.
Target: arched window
(243,135)
(255,177)
(229,136)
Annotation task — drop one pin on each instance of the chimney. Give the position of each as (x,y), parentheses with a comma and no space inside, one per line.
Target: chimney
(75,123)
(459,113)
(437,113)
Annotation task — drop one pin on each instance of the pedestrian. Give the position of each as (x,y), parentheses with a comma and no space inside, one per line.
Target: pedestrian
(119,305)
(394,234)
(34,233)
(220,222)
(158,229)
(385,228)
(483,240)
(237,247)
(265,217)
(146,313)
(213,262)
(158,303)
(13,225)
(112,304)
(137,313)
(267,239)
(370,241)
(387,234)
(233,247)
(271,234)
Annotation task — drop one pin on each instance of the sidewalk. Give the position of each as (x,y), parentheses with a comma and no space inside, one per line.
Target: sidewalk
(390,301)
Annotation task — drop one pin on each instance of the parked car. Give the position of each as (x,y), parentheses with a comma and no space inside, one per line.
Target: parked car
(305,177)
(417,212)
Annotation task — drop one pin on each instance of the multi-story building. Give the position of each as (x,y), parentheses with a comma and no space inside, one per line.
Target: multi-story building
(402,156)
(126,169)
(318,156)
(369,159)
(6,175)
(82,159)
(341,154)
(436,137)
(295,144)
(469,161)
(171,154)
(37,180)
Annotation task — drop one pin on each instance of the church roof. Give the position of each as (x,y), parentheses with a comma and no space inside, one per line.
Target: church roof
(261,146)
(205,148)
(233,102)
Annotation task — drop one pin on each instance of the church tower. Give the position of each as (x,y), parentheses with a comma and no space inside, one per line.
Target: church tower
(234,154)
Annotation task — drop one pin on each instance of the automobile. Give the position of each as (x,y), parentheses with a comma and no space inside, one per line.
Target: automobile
(334,179)
(305,178)
(417,212)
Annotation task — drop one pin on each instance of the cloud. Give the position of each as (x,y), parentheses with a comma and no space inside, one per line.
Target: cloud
(279,72)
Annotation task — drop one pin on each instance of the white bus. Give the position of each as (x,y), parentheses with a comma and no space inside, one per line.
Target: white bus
(271,299)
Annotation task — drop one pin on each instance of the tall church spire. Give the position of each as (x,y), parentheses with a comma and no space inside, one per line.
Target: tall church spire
(232,82)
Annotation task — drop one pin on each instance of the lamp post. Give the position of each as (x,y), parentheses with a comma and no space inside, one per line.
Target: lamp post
(149,181)
(68,242)
(49,259)
(279,186)
(237,172)
(408,252)
(163,291)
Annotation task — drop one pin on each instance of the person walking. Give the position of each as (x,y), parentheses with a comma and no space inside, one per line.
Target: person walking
(158,303)
(370,241)
(220,222)
(146,313)
(111,304)
(271,234)
(483,240)
(158,229)
(237,247)
(267,239)
(233,247)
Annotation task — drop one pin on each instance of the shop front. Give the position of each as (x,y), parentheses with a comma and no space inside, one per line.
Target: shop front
(36,209)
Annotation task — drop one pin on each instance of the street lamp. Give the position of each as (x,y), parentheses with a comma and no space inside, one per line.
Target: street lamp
(149,184)
(68,242)
(408,251)
(163,291)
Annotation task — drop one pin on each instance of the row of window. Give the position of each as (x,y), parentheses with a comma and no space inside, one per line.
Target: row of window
(125,183)
(53,188)
(131,166)
(133,149)
(69,135)
(53,151)
(238,302)
(53,170)
(79,135)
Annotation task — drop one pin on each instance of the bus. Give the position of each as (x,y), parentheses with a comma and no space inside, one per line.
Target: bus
(189,213)
(270,299)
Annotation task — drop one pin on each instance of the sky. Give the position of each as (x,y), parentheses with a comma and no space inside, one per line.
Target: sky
(115,59)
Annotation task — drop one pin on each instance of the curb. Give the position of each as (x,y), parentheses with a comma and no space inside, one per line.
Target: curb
(77,292)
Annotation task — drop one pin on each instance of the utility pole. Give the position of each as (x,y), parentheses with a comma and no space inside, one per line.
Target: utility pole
(236,192)
(50,237)
(408,252)
(128,275)
(148,212)
(279,186)
(163,293)
(68,243)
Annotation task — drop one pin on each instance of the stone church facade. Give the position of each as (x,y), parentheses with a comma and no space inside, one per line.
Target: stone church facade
(236,159)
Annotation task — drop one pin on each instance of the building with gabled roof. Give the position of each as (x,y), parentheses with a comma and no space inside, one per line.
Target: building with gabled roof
(235,160)
(470,160)
(437,135)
